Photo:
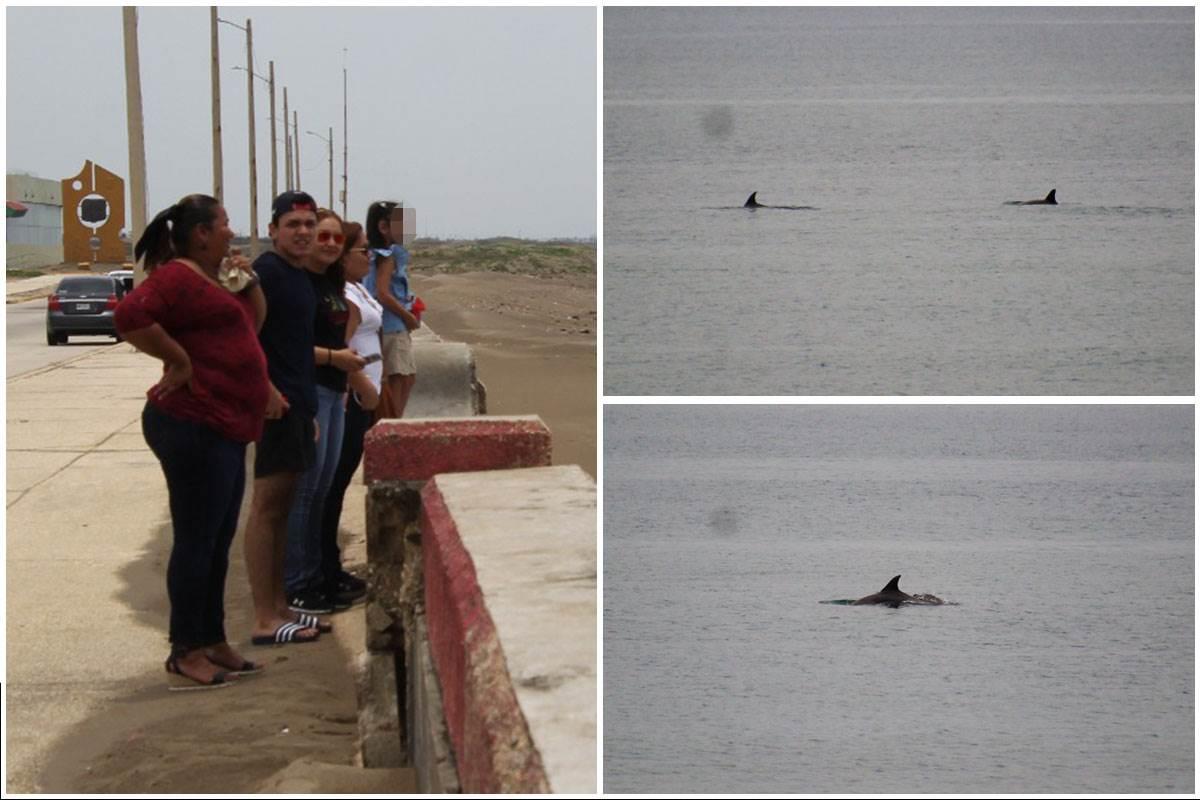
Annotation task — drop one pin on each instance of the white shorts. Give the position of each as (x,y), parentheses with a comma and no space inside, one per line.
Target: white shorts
(398,356)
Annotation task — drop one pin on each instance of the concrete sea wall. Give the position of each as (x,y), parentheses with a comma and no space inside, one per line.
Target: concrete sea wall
(481,612)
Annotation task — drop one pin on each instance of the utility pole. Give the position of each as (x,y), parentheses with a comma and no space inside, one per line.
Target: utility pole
(274,148)
(274,151)
(250,137)
(253,162)
(328,141)
(137,141)
(345,141)
(287,143)
(296,146)
(218,168)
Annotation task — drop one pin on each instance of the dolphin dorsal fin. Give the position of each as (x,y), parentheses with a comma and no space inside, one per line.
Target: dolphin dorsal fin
(750,201)
(893,585)
(1050,197)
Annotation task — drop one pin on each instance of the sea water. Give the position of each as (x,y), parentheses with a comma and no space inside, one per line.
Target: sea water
(906,131)
(1061,539)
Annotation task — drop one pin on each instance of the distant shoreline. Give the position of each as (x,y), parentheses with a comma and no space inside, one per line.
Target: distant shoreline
(497,254)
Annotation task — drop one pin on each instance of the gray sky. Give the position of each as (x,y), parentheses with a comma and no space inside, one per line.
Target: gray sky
(482,119)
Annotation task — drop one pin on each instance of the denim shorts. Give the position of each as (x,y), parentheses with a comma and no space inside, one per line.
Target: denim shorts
(287,445)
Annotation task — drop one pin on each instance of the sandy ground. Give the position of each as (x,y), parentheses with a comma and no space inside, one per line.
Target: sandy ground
(234,740)
(534,340)
(294,728)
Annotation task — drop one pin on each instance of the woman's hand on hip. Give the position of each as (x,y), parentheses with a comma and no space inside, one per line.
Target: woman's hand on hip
(176,373)
(277,404)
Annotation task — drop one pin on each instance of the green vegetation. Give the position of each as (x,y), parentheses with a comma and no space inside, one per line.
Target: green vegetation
(518,256)
(24,273)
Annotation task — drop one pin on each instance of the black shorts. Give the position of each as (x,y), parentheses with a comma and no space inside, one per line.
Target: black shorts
(287,445)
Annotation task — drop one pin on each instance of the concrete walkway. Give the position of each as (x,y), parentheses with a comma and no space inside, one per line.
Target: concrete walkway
(85,498)
(86,521)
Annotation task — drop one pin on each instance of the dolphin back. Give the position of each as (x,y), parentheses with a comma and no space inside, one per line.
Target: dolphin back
(1048,200)
(751,201)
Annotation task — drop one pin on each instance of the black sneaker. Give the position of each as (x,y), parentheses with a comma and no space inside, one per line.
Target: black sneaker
(314,601)
(346,596)
(343,595)
(350,583)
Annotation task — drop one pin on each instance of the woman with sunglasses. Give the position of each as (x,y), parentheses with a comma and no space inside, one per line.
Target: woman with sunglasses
(303,578)
(366,321)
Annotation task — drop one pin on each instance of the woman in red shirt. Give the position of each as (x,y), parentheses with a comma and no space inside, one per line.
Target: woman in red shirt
(210,402)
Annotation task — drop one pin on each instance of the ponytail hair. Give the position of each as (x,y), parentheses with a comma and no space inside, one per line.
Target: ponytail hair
(168,234)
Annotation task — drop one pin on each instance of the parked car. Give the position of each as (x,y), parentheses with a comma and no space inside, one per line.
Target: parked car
(82,305)
(125,277)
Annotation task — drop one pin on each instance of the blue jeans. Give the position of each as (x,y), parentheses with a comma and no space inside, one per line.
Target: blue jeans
(206,475)
(302,560)
(358,422)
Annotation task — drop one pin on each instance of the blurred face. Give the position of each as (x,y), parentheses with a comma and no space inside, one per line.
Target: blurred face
(402,226)
(293,235)
(357,264)
(329,241)
(396,226)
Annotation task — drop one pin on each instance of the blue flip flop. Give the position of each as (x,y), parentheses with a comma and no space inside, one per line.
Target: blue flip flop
(286,633)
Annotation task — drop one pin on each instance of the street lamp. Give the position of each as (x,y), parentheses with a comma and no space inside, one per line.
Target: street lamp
(218,169)
(296,146)
(253,164)
(345,139)
(287,144)
(328,141)
(274,154)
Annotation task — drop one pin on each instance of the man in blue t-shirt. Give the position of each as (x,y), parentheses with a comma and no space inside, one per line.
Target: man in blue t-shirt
(288,446)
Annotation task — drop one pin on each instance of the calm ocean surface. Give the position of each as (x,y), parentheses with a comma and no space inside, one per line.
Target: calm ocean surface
(907,130)
(1062,535)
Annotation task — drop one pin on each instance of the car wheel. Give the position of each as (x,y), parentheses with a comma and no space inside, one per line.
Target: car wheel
(51,339)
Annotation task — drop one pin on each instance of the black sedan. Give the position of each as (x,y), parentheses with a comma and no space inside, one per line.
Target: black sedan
(82,305)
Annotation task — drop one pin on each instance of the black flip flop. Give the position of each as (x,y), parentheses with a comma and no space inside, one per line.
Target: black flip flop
(219,681)
(247,667)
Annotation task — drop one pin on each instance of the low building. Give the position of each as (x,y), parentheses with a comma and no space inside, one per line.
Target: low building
(34,236)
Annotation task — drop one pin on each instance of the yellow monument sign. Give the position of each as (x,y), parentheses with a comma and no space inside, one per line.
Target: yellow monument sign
(93,205)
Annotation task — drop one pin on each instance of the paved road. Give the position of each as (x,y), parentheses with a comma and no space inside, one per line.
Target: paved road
(26,349)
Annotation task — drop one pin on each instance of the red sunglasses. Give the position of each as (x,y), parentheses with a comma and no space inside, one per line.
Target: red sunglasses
(325,236)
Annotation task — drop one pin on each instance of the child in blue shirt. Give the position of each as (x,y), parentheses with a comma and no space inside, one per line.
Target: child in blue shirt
(387,280)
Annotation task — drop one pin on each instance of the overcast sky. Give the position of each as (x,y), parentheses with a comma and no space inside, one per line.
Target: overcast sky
(482,119)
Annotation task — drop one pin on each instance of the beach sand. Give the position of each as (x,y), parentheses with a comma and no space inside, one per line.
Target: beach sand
(293,729)
(534,340)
